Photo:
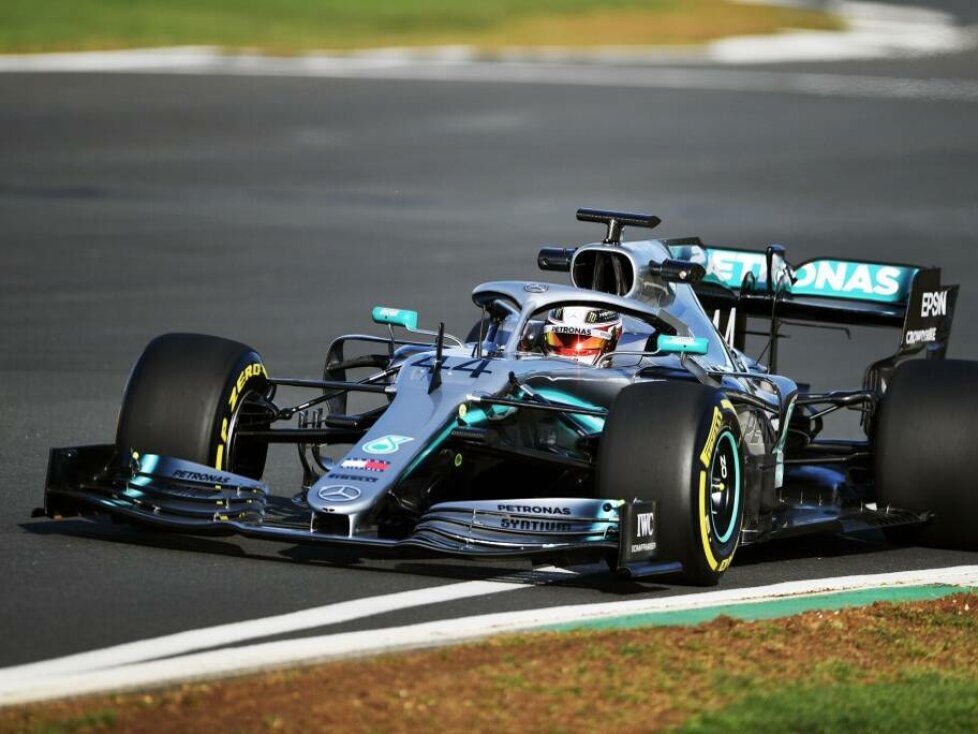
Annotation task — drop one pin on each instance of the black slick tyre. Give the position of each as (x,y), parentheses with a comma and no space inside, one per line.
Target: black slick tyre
(185,398)
(925,457)
(678,444)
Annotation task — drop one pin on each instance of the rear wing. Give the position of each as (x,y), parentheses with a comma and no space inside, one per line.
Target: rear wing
(824,290)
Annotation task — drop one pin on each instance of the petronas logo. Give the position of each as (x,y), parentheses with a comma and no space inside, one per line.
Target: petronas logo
(385,444)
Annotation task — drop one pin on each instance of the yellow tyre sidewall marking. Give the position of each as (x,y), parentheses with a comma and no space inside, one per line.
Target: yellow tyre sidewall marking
(705,527)
(716,423)
(707,458)
(255,369)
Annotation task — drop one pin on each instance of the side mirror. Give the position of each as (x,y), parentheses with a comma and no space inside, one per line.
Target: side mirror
(556,258)
(395,317)
(668,344)
(678,271)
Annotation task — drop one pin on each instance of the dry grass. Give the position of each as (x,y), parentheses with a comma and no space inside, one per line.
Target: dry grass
(292,26)
(692,21)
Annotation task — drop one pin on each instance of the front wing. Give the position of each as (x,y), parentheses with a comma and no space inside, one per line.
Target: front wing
(171,494)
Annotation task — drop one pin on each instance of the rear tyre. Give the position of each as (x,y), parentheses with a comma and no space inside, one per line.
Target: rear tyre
(678,444)
(925,456)
(185,398)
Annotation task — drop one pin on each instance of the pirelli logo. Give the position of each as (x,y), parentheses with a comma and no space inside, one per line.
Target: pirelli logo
(252,370)
(711,439)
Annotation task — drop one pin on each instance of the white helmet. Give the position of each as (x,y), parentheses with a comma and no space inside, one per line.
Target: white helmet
(581,333)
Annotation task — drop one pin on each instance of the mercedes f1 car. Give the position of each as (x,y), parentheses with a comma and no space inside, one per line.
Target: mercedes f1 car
(616,418)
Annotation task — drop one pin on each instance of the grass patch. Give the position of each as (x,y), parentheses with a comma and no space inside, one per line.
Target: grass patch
(286,26)
(93,721)
(822,671)
(928,703)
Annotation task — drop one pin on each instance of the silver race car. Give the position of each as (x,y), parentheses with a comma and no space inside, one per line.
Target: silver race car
(616,418)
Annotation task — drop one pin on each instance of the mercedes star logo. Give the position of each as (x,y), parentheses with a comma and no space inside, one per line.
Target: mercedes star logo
(339,493)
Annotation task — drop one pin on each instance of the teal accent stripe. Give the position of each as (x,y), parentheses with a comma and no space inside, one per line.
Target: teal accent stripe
(683,344)
(591,423)
(475,416)
(767,609)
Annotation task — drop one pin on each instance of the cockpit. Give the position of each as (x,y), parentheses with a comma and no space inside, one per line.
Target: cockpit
(624,300)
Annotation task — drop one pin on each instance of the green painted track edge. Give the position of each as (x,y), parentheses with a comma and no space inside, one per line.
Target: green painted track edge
(769,609)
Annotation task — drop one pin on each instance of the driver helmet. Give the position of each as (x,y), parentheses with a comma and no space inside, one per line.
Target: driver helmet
(581,333)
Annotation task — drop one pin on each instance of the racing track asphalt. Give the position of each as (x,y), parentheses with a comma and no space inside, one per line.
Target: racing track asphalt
(278,211)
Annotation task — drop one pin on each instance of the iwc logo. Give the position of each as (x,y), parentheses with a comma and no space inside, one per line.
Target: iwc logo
(339,493)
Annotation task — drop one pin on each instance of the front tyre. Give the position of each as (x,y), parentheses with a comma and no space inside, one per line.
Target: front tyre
(679,444)
(185,398)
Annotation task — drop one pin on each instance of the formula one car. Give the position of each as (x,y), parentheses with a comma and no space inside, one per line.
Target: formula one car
(618,418)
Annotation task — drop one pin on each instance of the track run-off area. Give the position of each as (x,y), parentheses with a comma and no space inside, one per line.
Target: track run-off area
(277,201)
(230,650)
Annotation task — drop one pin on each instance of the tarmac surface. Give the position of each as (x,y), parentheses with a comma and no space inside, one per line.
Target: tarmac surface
(279,211)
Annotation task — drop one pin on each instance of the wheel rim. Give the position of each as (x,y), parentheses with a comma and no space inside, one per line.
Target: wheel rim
(724,488)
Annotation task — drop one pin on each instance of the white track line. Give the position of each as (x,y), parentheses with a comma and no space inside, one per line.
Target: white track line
(378,67)
(329,647)
(184,642)
(872,31)
(720,80)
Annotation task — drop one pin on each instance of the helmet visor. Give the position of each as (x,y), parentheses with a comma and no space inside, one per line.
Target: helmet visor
(571,344)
